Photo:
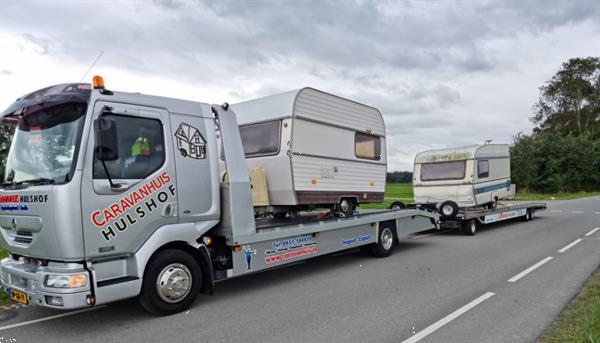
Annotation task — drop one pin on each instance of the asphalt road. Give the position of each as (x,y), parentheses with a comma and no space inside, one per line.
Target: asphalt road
(444,287)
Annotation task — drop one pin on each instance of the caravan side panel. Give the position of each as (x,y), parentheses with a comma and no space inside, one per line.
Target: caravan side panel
(325,166)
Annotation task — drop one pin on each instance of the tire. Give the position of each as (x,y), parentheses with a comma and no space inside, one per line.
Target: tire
(167,265)
(396,205)
(470,227)
(448,209)
(527,216)
(385,242)
(531,213)
(346,207)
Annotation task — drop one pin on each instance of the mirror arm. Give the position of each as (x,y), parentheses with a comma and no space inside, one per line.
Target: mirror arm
(110,181)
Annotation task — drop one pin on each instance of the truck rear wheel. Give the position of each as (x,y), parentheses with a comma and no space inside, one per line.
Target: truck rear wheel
(385,242)
(172,282)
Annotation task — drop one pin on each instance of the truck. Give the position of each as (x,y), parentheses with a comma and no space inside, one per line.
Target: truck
(112,195)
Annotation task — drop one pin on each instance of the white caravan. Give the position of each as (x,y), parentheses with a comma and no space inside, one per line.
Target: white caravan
(315,149)
(463,177)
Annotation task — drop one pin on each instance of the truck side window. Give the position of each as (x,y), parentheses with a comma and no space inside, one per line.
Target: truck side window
(261,139)
(483,169)
(141,149)
(367,146)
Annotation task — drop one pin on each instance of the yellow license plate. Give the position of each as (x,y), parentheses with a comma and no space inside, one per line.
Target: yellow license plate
(19,297)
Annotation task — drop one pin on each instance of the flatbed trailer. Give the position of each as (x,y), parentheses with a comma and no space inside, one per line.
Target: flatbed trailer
(469,219)
(279,241)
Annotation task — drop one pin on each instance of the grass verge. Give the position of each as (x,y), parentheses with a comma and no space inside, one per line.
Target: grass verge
(580,320)
(554,196)
(393,192)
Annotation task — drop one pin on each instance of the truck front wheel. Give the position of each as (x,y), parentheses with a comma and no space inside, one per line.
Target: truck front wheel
(172,282)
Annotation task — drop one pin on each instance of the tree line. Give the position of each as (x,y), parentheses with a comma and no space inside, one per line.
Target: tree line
(563,152)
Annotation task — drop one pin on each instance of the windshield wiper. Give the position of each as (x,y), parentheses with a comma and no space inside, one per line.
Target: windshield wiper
(40,181)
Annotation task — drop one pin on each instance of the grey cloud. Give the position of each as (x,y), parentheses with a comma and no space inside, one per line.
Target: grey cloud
(42,45)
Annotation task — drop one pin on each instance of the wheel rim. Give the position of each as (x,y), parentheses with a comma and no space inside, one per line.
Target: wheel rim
(447,210)
(396,207)
(174,283)
(344,205)
(387,239)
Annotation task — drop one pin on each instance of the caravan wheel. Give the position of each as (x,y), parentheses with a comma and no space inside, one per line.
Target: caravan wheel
(448,209)
(346,207)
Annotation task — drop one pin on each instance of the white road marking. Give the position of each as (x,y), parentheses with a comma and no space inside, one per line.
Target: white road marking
(592,232)
(435,326)
(556,211)
(570,245)
(430,234)
(529,270)
(50,318)
(577,212)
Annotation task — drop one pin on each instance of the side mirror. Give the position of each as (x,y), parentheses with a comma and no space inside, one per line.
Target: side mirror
(105,133)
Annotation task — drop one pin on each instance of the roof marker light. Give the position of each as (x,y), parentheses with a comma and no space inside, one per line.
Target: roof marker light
(98,82)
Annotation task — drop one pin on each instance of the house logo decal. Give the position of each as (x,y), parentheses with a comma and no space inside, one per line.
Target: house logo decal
(190,142)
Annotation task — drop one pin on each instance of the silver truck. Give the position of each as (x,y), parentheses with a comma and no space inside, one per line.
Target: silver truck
(112,195)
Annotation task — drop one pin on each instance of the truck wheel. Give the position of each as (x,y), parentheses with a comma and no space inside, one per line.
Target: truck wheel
(470,227)
(527,216)
(172,282)
(448,209)
(385,243)
(396,205)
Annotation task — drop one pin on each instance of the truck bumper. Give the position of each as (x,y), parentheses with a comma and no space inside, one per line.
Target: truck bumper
(19,276)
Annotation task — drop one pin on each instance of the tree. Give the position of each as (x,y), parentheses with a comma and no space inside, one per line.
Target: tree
(570,101)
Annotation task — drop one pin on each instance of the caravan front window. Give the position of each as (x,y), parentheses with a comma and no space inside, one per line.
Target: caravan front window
(261,139)
(454,170)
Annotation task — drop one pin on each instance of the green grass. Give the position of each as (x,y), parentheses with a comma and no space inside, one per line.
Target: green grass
(403,192)
(554,196)
(393,192)
(580,320)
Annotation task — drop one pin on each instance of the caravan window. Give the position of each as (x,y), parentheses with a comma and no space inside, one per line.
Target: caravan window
(261,139)
(367,146)
(483,169)
(454,170)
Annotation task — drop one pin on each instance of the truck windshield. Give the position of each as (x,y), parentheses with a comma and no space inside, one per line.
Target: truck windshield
(454,170)
(44,144)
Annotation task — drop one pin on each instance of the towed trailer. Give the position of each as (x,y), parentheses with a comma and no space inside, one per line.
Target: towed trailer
(468,219)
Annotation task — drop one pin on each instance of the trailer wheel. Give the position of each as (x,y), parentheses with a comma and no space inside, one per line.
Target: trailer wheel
(448,209)
(385,242)
(527,216)
(172,281)
(531,213)
(470,227)
(396,205)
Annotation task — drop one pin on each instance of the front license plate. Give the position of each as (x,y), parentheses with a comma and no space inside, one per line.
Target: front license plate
(19,297)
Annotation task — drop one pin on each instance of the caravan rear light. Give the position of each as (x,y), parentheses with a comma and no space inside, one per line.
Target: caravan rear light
(207,240)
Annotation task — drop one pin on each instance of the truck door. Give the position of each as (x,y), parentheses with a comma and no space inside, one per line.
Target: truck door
(196,157)
(118,220)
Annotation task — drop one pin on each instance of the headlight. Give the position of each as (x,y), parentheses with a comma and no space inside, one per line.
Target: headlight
(66,281)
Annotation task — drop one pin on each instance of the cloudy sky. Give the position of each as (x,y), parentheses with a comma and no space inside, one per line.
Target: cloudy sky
(442,73)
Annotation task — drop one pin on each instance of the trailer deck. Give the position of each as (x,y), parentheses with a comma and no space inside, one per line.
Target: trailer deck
(468,219)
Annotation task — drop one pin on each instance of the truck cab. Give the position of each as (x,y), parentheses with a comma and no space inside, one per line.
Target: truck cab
(96,182)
